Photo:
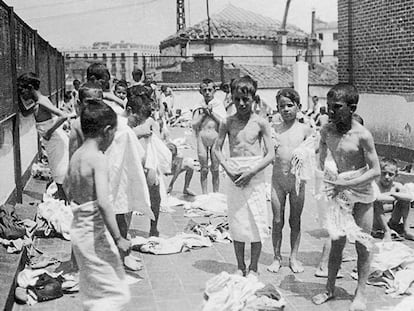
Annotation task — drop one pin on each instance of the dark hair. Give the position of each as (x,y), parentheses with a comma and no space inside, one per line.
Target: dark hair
(28,79)
(388,161)
(76,81)
(140,105)
(95,116)
(358,118)
(121,83)
(245,85)
(90,90)
(98,72)
(67,95)
(322,110)
(344,92)
(289,93)
(206,81)
(137,74)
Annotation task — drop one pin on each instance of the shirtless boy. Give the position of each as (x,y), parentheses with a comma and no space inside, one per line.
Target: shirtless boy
(393,194)
(206,121)
(290,133)
(352,148)
(247,207)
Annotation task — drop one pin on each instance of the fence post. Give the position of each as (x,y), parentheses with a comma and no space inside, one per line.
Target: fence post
(63,71)
(37,71)
(144,66)
(222,70)
(16,130)
(57,77)
(49,74)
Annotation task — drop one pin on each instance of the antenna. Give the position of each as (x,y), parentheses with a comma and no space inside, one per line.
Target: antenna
(180,15)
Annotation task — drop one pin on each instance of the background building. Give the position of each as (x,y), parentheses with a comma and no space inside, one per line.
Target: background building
(376,53)
(120,58)
(327,35)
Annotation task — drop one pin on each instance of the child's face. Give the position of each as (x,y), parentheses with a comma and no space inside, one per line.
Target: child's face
(340,114)
(26,92)
(388,174)
(287,108)
(207,90)
(243,103)
(120,92)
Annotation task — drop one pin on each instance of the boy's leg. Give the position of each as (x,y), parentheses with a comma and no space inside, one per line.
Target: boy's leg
(296,201)
(215,173)
(203,159)
(363,214)
(176,173)
(239,251)
(188,176)
(61,195)
(278,200)
(255,249)
(402,210)
(322,270)
(382,220)
(155,199)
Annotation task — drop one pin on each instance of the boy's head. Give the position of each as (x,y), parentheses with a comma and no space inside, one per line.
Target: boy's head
(323,110)
(244,95)
(99,72)
(139,107)
(288,104)
(67,96)
(207,89)
(389,170)
(89,90)
(342,103)
(76,84)
(137,74)
(98,121)
(27,84)
(121,89)
(173,149)
(225,87)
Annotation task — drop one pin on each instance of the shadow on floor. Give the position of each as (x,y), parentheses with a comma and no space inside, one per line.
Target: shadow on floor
(214,267)
(318,233)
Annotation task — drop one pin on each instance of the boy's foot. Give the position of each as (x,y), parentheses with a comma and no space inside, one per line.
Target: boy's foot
(189,192)
(296,266)
(408,236)
(358,304)
(324,274)
(322,298)
(253,274)
(240,272)
(132,264)
(275,266)
(155,233)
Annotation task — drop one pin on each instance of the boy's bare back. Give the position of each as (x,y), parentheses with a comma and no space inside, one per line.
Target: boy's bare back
(245,137)
(349,150)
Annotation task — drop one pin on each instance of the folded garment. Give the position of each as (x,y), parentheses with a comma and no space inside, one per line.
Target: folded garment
(216,233)
(206,205)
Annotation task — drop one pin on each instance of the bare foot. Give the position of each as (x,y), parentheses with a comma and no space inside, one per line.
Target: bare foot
(387,237)
(322,298)
(296,266)
(358,304)
(240,273)
(320,273)
(189,192)
(275,266)
(253,274)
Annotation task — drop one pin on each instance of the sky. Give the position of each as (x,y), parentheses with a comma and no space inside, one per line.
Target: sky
(75,23)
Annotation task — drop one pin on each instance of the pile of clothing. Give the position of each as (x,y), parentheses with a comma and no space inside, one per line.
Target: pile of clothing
(215,232)
(207,205)
(235,293)
(53,216)
(177,244)
(393,267)
(41,171)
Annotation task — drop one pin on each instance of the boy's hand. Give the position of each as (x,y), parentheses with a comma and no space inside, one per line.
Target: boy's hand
(123,245)
(244,178)
(338,185)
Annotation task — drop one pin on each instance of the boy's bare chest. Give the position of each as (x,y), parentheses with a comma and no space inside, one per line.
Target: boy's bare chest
(245,132)
(347,144)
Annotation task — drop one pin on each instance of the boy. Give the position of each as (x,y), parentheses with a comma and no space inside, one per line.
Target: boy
(206,121)
(247,206)
(120,90)
(94,233)
(353,151)
(180,165)
(392,193)
(290,134)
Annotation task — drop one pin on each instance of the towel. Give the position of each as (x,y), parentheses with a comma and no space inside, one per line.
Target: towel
(57,149)
(102,281)
(247,206)
(127,182)
(337,210)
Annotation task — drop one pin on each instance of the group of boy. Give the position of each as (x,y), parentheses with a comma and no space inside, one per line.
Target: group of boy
(251,149)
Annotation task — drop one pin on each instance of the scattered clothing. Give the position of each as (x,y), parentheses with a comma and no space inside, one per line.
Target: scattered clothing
(177,244)
(216,233)
(169,202)
(41,171)
(11,227)
(247,206)
(206,205)
(102,281)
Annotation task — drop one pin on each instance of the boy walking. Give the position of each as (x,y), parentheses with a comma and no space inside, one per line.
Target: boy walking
(206,121)
(247,207)
(353,151)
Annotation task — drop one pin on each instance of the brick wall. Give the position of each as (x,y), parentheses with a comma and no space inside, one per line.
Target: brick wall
(382,45)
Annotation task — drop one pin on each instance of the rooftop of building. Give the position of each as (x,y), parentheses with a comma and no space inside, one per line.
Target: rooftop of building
(321,25)
(234,23)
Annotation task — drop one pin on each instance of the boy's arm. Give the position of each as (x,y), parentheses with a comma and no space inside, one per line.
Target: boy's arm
(46,103)
(323,148)
(143,130)
(101,178)
(197,120)
(218,146)
(400,193)
(111,97)
(245,178)
(74,143)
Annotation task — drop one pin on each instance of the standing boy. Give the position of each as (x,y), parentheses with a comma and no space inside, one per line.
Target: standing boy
(393,194)
(94,232)
(290,134)
(206,120)
(247,206)
(352,148)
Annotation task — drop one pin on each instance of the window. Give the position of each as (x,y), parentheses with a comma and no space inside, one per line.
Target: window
(113,56)
(104,56)
(122,66)
(321,53)
(67,56)
(76,55)
(335,52)
(321,36)
(85,56)
(123,56)
(335,36)
(95,56)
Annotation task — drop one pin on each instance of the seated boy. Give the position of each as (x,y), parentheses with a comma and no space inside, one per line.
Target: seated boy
(178,166)
(393,195)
